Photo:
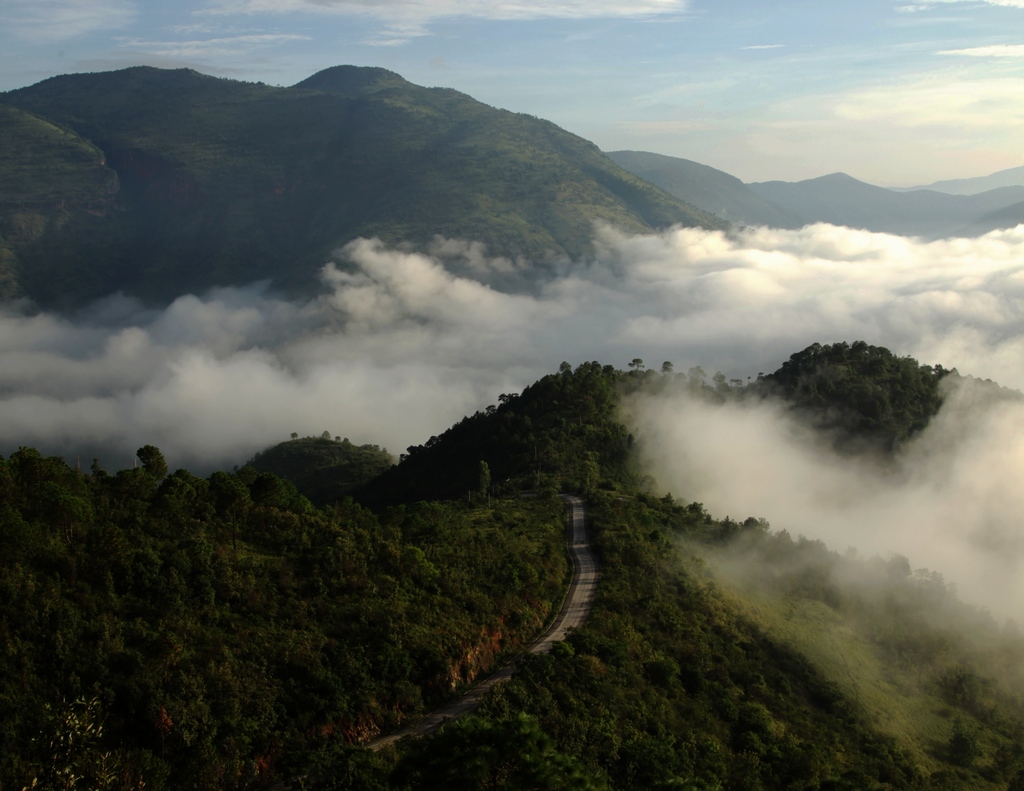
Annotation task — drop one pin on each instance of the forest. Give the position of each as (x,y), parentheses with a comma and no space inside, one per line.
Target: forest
(162,630)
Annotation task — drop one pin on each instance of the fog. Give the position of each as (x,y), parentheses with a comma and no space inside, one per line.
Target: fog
(400,344)
(953,502)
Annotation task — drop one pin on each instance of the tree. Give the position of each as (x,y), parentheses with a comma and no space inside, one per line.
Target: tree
(295,435)
(71,755)
(667,367)
(485,478)
(474,753)
(152,461)
(232,500)
(637,364)
(962,747)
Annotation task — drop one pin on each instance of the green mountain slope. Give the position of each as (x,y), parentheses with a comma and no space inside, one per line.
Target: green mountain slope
(54,185)
(42,163)
(208,633)
(223,182)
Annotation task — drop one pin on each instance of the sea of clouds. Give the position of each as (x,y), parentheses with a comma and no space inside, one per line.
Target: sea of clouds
(401,344)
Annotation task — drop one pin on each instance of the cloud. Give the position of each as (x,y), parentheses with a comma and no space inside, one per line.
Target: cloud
(57,20)
(1003,3)
(994,51)
(940,99)
(211,47)
(404,19)
(953,503)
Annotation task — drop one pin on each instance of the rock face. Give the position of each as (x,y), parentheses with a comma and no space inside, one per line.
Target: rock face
(217,182)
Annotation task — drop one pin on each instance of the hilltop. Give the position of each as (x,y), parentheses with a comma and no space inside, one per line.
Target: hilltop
(322,469)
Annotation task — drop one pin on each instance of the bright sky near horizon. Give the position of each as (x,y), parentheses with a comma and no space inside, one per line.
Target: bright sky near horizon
(891,92)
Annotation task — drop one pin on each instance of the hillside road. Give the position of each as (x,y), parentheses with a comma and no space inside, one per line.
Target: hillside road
(577,605)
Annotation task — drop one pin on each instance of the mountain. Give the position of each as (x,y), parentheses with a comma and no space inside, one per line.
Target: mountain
(1011,177)
(1009,217)
(184,181)
(837,198)
(713,190)
(843,200)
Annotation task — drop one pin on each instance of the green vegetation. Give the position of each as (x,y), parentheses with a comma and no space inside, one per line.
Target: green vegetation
(56,199)
(866,392)
(323,469)
(679,682)
(222,182)
(561,433)
(221,630)
(43,163)
(224,632)
(936,675)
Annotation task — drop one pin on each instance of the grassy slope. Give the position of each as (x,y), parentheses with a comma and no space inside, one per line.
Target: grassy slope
(889,644)
(226,182)
(890,697)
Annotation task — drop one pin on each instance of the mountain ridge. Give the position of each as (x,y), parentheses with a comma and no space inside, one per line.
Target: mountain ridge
(223,182)
(835,198)
(972,186)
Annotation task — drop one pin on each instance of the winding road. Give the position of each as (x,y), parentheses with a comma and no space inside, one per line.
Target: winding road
(577,605)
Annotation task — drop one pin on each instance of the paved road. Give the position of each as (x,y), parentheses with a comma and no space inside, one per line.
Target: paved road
(575,609)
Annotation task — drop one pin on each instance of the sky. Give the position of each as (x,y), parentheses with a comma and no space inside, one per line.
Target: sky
(893,93)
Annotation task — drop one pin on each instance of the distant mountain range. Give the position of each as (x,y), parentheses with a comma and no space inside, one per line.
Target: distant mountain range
(837,198)
(1012,177)
(159,182)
